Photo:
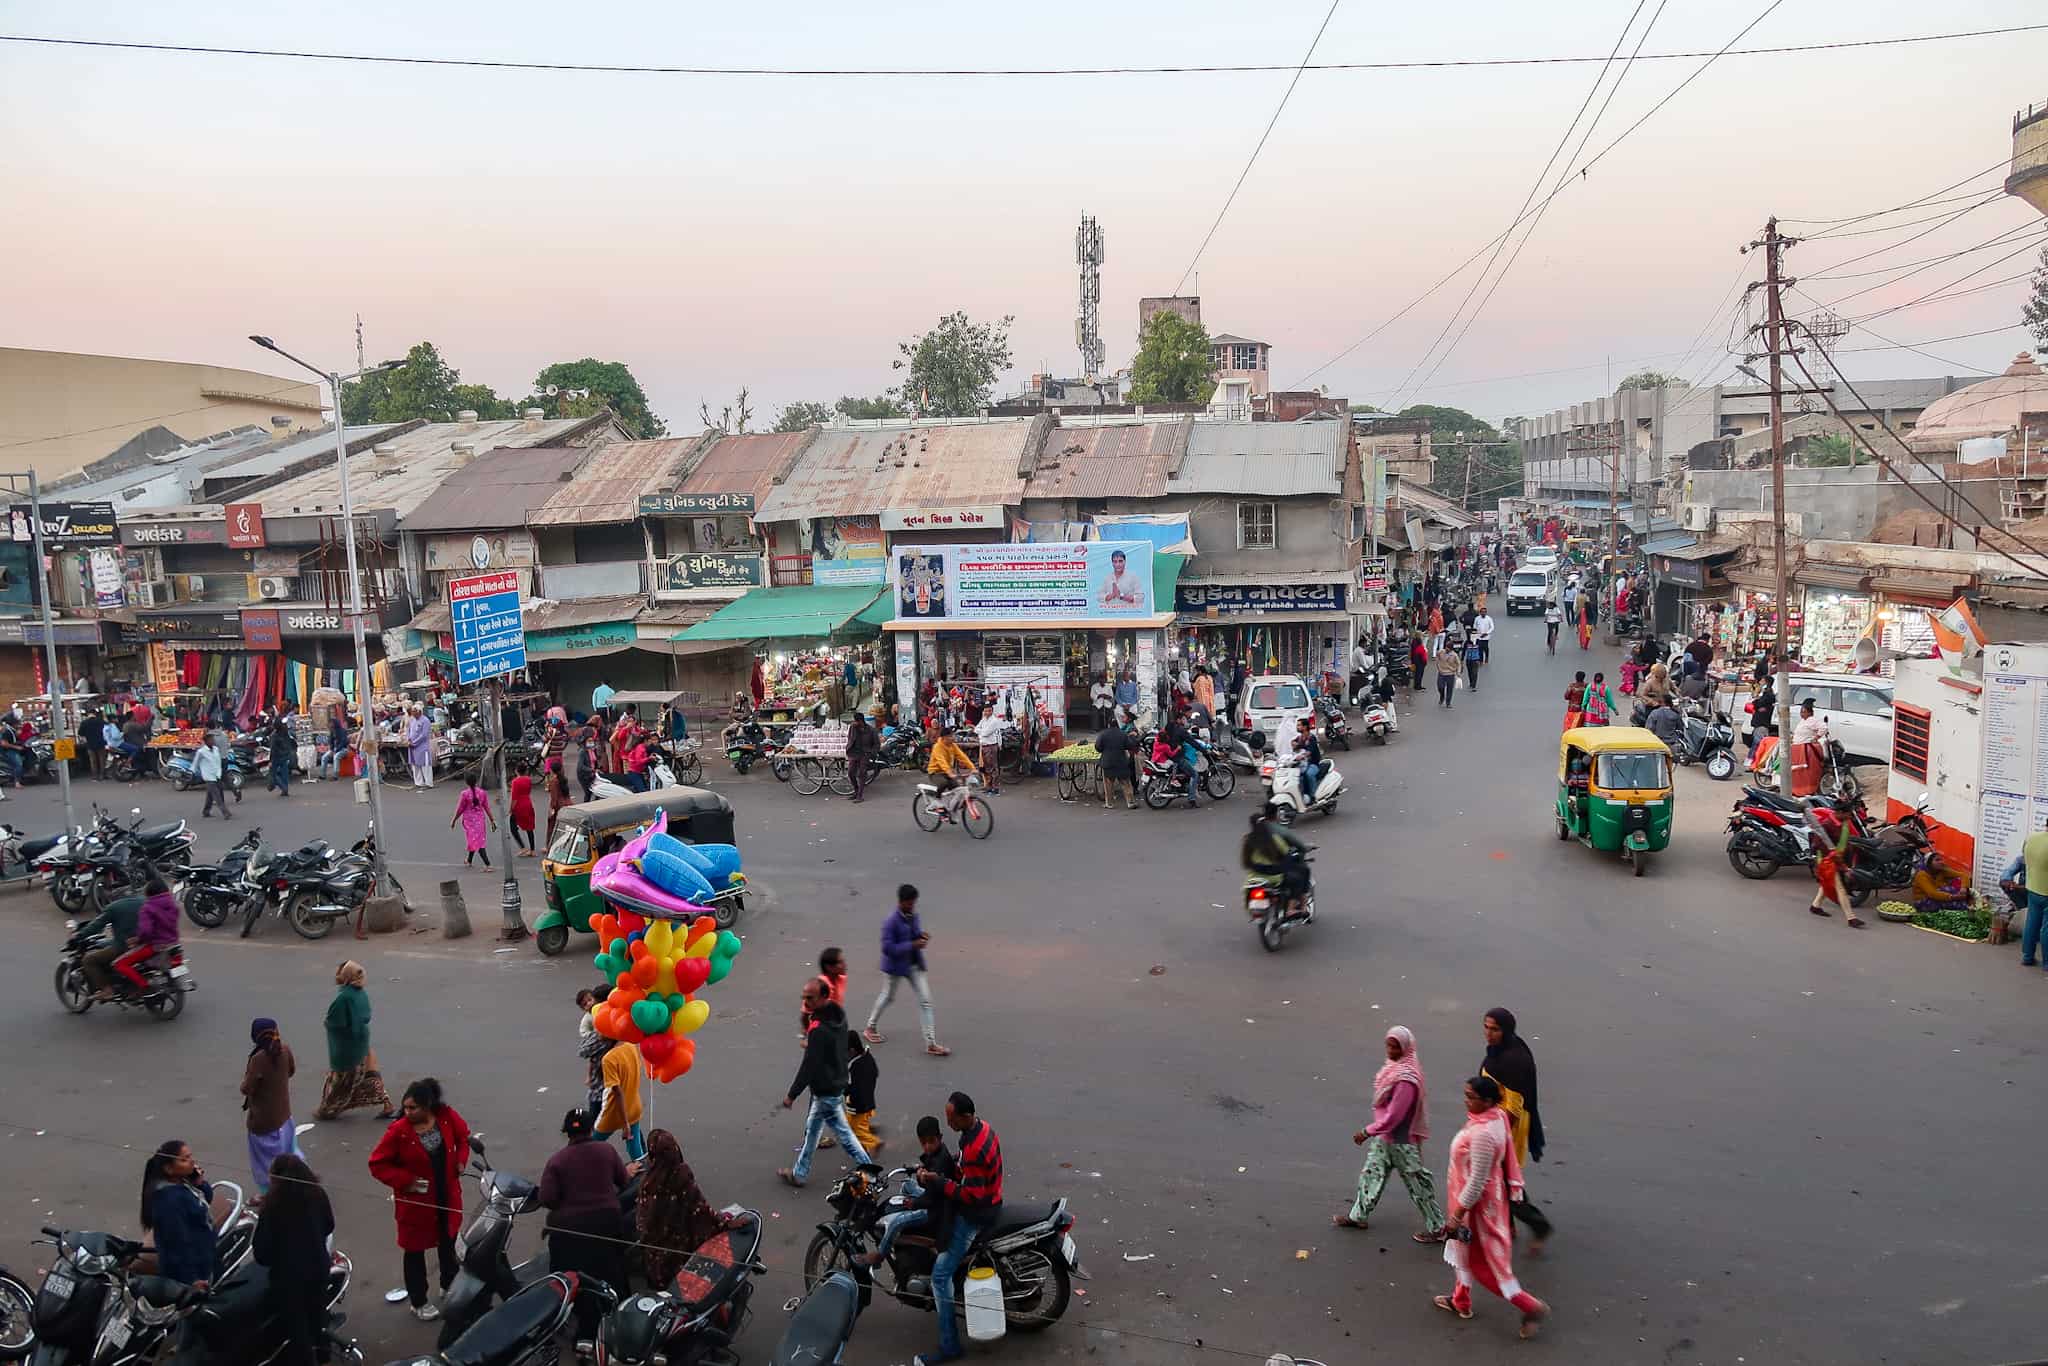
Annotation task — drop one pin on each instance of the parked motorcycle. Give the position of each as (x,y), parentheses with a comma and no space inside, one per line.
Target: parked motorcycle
(166,977)
(1379,719)
(1282,777)
(1273,916)
(1031,1250)
(311,887)
(523,1330)
(213,891)
(1766,832)
(23,859)
(695,1319)
(1336,728)
(1709,740)
(17,1317)
(1246,749)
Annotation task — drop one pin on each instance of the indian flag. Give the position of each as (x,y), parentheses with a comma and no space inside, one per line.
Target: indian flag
(1957,635)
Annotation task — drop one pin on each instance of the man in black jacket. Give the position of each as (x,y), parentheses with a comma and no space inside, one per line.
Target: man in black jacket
(823,1073)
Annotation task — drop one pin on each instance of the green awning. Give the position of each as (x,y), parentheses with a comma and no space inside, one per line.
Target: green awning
(817,612)
(1165,577)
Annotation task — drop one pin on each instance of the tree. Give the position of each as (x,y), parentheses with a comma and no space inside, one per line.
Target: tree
(2035,313)
(880,406)
(426,386)
(732,418)
(951,369)
(1835,448)
(1649,379)
(1363,408)
(597,385)
(1172,364)
(1459,440)
(797,416)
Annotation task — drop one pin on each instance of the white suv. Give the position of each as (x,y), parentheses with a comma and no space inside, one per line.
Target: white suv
(1541,556)
(1528,587)
(1273,703)
(1856,707)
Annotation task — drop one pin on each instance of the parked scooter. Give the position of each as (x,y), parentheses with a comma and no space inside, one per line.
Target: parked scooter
(822,1327)
(233,1322)
(523,1330)
(1282,776)
(695,1319)
(1379,720)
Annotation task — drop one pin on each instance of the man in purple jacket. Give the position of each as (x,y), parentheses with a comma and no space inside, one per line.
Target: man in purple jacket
(903,941)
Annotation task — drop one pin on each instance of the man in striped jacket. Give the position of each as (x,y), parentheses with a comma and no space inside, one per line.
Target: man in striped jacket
(977,1207)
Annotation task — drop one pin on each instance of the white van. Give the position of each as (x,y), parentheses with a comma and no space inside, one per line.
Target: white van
(1273,703)
(1528,588)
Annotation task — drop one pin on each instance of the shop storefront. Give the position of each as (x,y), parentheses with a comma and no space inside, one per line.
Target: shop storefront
(1907,604)
(802,638)
(1287,628)
(1837,611)
(1031,620)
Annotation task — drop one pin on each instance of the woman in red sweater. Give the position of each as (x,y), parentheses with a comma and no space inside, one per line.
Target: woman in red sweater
(422,1157)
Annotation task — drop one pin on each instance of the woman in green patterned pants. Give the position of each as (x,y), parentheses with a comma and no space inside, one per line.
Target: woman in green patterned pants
(1393,1141)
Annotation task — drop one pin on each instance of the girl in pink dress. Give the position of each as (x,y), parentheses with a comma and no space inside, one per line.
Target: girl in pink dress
(1484,1177)
(473,809)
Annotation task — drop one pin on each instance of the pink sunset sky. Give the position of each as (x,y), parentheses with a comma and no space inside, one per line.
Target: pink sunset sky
(785,233)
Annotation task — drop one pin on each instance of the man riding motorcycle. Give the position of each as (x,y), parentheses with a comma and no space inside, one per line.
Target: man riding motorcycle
(1271,850)
(116,926)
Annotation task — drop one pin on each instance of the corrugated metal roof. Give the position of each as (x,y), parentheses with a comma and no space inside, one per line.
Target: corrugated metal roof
(746,463)
(847,472)
(422,462)
(1122,460)
(1277,458)
(285,454)
(550,614)
(497,489)
(608,488)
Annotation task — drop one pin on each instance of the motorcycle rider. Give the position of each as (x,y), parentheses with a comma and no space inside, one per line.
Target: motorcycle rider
(13,753)
(1270,849)
(117,925)
(156,927)
(1665,723)
(1311,758)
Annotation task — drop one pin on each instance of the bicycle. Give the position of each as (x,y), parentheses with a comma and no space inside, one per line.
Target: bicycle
(965,805)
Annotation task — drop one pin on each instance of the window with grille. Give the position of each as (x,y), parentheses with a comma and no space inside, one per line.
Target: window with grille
(1255,526)
(1912,730)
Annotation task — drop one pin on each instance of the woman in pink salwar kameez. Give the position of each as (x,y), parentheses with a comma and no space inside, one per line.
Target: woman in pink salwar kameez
(1484,1176)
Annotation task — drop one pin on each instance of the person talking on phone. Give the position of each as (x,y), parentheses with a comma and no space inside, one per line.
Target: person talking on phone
(177,1209)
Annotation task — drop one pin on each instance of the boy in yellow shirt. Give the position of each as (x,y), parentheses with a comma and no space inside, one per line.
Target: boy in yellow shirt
(620,1073)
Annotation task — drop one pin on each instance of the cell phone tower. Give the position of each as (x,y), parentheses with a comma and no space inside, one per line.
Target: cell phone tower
(1088,327)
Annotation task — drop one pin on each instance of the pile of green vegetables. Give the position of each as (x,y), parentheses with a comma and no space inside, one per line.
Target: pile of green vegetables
(1963,924)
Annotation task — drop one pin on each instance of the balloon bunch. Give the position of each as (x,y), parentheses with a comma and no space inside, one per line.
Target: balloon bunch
(656,967)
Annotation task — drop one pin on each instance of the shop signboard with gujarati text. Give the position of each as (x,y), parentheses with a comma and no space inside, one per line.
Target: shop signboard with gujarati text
(1217,599)
(695,504)
(713,570)
(943,519)
(490,638)
(184,626)
(66,525)
(245,526)
(261,629)
(174,533)
(1066,581)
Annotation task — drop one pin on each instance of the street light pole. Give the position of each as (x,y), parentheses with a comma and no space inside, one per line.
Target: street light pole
(35,514)
(365,707)
(380,870)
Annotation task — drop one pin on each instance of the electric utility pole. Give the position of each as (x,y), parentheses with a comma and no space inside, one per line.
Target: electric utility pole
(1775,336)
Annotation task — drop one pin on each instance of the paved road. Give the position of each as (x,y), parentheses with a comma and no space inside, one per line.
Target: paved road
(1773,1140)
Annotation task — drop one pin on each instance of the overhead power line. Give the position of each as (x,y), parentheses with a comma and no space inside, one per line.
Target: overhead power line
(2031,231)
(1535,188)
(1216,68)
(1252,160)
(1831,273)
(1921,201)
(1575,178)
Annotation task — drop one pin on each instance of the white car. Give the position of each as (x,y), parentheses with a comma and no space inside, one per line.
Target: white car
(1273,703)
(1856,707)
(1528,588)
(1541,556)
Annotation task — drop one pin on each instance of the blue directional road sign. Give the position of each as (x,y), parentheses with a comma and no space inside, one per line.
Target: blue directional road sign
(489,636)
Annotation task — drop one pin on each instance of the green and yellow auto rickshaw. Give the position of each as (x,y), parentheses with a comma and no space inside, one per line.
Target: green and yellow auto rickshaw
(586,833)
(1614,791)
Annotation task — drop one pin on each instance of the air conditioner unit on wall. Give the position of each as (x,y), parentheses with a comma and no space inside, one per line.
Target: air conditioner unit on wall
(1696,516)
(272,589)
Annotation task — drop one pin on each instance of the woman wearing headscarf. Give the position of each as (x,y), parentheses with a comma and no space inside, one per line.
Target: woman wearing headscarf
(1513,1068)
(267,1100)
(673,1216)
(580,1188)
(1485,1182)
(353,1080)
(1393,1140)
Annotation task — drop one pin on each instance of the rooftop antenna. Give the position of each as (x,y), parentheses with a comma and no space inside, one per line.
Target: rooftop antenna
(361,364)
(1088,326)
